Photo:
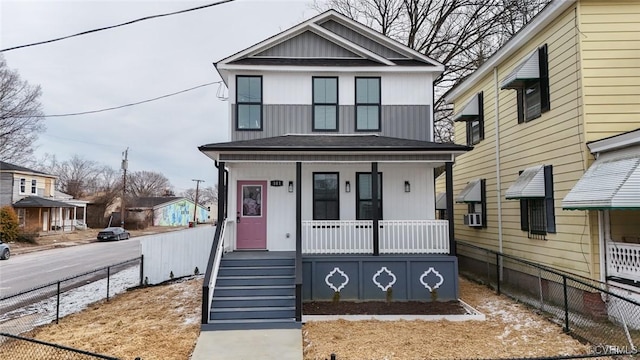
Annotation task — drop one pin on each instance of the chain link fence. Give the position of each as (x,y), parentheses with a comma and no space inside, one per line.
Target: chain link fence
(48,303)
(20,348)
(589,310)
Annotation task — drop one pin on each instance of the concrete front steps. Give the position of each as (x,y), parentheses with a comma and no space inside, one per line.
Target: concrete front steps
(254,291)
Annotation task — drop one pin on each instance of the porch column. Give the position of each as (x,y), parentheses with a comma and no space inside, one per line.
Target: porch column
(222,194)
(375,216)
(449,182)
(298,279)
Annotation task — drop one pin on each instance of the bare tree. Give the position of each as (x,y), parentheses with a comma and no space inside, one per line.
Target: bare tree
(207,194)
(20,115)
(147,183)
(77,176)
(461,34)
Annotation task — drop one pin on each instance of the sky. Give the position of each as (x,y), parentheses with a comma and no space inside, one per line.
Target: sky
(133,63)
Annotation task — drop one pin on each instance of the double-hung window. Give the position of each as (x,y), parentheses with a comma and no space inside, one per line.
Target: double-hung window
(325,103)
(326,199)
(23,186)
(368,104)
(364,199)
(248,102)
(34,186)
(530,79)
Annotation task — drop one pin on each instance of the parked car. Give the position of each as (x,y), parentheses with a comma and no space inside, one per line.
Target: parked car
(5,253)
(113,233)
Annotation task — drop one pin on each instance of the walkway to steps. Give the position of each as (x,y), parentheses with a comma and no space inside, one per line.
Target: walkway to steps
(279,344)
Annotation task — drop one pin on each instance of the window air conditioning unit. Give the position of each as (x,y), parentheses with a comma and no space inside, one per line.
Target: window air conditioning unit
(473,219)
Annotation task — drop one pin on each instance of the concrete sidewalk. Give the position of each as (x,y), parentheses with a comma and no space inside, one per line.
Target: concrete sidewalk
(283,344)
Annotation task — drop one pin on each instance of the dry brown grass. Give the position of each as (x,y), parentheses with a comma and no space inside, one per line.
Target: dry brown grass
(161,322)
(511,330)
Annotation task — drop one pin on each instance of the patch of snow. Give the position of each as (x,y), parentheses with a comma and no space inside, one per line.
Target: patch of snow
(43,312)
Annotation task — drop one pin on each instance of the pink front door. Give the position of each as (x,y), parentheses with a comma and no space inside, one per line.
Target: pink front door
(252,215)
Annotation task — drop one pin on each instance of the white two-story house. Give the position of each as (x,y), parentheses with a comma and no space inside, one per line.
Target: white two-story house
(331,160)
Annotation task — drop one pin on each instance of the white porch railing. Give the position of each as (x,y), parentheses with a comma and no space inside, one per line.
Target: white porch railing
(337,237)
(356,237)
(623,260)
(414,237)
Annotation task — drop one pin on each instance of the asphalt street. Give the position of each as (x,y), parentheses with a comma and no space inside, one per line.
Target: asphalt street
(24,272)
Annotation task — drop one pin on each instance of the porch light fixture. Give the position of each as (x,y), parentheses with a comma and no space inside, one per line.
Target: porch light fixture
(407,186)
(347,186)
(290,186)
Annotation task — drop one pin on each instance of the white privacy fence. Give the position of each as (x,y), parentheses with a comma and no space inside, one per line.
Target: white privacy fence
(176,253)
(623,260)
(356,237)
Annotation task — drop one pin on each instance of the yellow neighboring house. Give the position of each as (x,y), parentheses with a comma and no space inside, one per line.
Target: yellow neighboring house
(554,118)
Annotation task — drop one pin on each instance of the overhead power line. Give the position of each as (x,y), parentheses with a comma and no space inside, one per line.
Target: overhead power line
(118,25)
(132,104)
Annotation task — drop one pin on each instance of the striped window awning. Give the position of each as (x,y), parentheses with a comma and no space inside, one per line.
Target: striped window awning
(530,184)
(529,69)
(611,182)
(471,193)
(470,110)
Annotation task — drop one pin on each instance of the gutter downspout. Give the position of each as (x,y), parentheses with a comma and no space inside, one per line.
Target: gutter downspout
(498,178)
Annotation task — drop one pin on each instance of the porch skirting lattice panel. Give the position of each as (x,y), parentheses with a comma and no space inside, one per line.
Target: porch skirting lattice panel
(430,278)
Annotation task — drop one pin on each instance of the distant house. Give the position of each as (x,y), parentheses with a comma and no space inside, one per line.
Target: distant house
(165,211)
(38,205)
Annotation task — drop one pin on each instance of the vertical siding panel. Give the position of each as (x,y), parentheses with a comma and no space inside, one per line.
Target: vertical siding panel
(307,45)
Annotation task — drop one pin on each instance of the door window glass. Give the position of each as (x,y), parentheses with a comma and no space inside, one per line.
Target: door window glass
(251,200)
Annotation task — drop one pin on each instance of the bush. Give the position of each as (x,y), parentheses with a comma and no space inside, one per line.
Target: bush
(9,226)
(28,235)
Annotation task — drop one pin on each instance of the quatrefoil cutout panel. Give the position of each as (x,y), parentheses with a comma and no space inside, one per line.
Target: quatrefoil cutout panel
(332,285)
(423,279)
(389,273)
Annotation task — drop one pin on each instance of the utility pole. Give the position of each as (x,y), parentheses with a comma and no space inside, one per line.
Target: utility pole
(124,166)
(195,208)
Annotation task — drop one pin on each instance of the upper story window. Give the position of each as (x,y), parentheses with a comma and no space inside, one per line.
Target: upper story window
(326,198)
(23,186)
(325,103)
(34,186)
(248,102)
(530,79)
(367,104)
(472,114)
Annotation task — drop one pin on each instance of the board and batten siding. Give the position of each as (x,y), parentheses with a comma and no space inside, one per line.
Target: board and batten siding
(287,105)
(281,206)
(307,45)
(610,51)
(556,138)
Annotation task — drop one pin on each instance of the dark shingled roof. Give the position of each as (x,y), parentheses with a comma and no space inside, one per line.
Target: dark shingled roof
(12,167)
(334,143)
(149,202)
(40,202)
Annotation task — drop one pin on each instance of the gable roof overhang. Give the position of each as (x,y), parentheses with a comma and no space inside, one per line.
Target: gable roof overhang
(225,65)
(527,33)
(333,148)
(16,169)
